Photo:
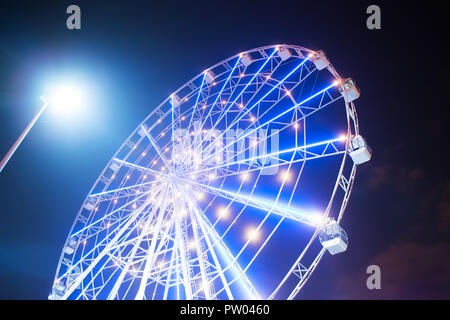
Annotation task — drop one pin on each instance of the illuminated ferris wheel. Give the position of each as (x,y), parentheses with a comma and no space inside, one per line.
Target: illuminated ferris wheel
(234,187)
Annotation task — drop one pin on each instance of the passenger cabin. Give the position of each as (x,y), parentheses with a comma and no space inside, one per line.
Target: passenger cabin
(246,59)
(349,89)
(70,247)
(320,60)
(284,53)
(359,151)
(58,291)
(175,100)
(333,238)
(209,77)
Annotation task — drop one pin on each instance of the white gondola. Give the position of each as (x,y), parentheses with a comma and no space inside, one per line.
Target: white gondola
(350,90)
(284,53)
(58,291)
(175,100)
(209,77)
(73,275)
(359,151)
(114,167)
(70,247)
(90,205)
(246,59)
(320,60)
(333,238)
(141,131)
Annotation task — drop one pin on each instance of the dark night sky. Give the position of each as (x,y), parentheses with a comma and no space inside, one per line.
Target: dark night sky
(138,52)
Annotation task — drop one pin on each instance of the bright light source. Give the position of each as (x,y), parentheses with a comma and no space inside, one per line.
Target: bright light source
(200,195)
(252,234)
(316,217)
(285,176)
(343,137)
(66,99)
(245,176)
(223,213)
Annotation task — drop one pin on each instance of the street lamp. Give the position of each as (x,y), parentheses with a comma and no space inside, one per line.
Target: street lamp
(65,98)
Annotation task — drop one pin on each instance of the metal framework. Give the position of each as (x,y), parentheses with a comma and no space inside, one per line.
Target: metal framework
(193,199)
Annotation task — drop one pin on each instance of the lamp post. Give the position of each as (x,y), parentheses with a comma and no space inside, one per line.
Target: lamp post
(67,97)
(21,137)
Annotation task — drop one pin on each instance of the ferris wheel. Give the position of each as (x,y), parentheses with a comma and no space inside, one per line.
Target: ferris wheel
(234,187)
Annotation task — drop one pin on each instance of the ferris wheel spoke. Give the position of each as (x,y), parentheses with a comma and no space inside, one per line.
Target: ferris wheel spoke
(309,157)
(220,92)
(328,148)
(245,87)
(152,141)
(245,134)
(110,225)
(151,254)
(131,257)
(195,106)
(109,214)
(136,246)
(254,130)
(110,253)
(217,264)
(247,110)
(132,165)
(106,249)
(227,110)
(216,242)
(206,287)
(185,268)
(261,204)
(119,191)
(281,82)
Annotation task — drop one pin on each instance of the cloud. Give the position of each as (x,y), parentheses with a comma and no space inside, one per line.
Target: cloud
(417,264)
(392,176)
(408,271)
